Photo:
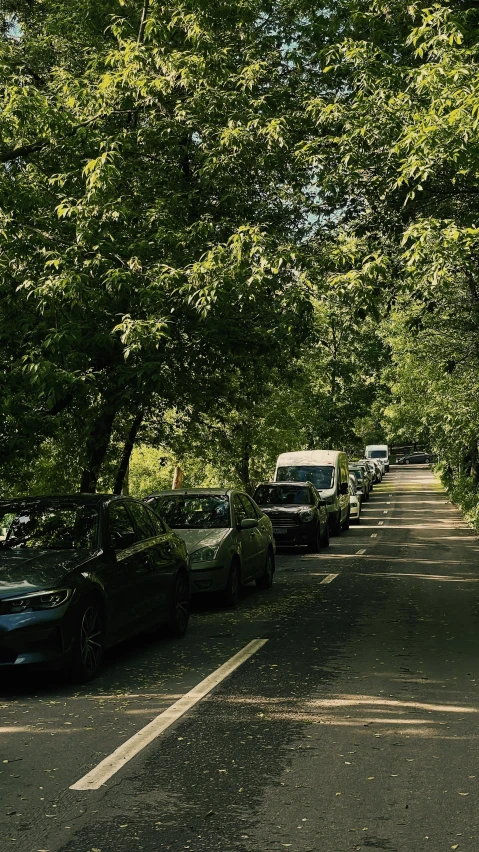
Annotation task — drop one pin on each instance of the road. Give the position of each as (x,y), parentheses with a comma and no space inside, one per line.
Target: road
(354,727)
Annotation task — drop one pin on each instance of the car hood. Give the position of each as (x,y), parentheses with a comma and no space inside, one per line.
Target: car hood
(26,570)
(195,539)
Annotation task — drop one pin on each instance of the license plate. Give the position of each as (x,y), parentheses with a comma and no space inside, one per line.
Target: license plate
(279,531)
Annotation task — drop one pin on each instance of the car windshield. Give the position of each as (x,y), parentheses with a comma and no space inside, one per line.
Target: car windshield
(277,495)
(378,454)
(49,526)
(321,476)
(195,511)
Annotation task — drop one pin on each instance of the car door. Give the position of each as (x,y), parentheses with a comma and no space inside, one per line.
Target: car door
(127,567)
(247,539)
(163,559)
(261,537)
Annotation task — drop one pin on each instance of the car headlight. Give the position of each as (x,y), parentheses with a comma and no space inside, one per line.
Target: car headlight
(36,601)
(204,554)
(307,515)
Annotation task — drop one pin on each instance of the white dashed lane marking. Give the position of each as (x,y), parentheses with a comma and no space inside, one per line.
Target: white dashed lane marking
(328,579)
(95,779)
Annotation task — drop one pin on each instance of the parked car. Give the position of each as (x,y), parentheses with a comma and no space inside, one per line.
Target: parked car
(373,471)
(354,501)
(297,513)
(378,451)
(229,539)
(328,471)
(420,457)
(379,468)
(367,476)
(360,481)
(83,572)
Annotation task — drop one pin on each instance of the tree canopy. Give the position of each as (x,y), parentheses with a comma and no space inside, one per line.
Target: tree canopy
(229,229)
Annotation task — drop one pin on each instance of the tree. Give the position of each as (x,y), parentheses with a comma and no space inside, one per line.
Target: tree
(128,228)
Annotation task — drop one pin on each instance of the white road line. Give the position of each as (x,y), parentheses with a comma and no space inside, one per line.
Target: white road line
(385,511)
(360,552)
(94,779)
(380,523)
(374,535)
(328,579)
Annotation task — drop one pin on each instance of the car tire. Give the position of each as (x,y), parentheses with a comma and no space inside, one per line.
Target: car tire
(314,544)
(88,641)
(407,461)
(179,608)
(336,527)
(266,580)
(232,593)
(325,537)
(355,521)
(346,522)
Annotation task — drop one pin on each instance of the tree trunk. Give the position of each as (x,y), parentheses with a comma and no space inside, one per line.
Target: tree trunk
(243,468)
(127,451)
(473,461)
(97,445)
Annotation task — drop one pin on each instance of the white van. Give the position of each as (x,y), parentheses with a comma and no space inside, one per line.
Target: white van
(378,451)
(329,473)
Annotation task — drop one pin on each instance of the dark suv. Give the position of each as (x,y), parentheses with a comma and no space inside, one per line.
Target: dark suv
(296,511)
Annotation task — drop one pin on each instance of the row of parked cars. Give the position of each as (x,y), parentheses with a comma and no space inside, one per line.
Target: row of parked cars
(81,573)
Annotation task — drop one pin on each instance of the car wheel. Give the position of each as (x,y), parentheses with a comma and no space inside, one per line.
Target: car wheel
(407,461)
(266,580)
(88,642)
(179,610)
(346,522)
(233,586)
(336,527)
(325,537)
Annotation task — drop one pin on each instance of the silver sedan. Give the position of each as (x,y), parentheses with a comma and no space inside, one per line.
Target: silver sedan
(229,539)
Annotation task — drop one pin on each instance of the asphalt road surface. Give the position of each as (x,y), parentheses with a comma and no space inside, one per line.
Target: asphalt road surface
(354,727)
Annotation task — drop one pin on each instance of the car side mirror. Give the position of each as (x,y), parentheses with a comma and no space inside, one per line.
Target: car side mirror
(248,524)
(344,489)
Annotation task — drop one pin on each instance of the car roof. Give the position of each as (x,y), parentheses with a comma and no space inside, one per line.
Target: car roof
(309,457)
(274,482)
(60,498)
(219,492)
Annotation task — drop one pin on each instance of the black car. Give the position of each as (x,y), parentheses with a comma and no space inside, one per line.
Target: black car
(296,511)
(415,458)
(81,573)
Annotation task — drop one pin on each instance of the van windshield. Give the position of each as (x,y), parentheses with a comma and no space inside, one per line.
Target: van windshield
(378,454)
(321,476)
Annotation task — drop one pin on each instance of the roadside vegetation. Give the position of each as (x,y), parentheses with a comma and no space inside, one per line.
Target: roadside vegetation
(233,229)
